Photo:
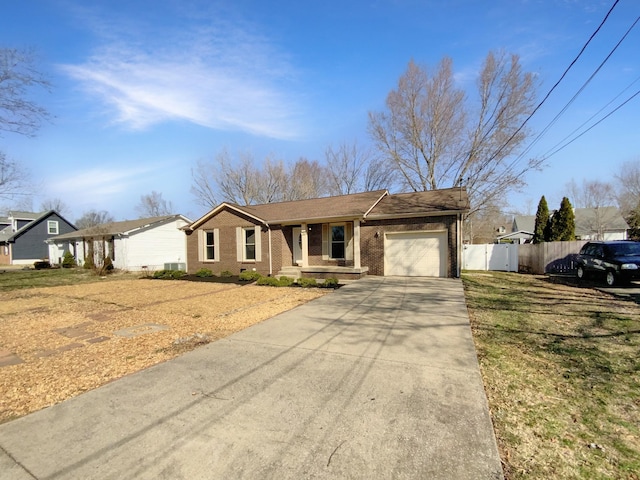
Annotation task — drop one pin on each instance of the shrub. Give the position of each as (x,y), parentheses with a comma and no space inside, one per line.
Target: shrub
(41,264)
(168,274)
(249,276)
(285,282)
(226,273)
(204,272)
(274,282)
(268,281)
(307,282)
(89,264)
(108,264)
(330,282)
(68,261)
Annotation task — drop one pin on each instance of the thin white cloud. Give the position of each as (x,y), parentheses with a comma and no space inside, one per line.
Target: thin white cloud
(97,187)
(218,77)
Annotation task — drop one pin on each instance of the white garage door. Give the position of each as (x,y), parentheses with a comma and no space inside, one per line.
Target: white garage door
(415,254)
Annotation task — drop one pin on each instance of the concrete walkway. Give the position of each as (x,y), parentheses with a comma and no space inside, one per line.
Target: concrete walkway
(378,380)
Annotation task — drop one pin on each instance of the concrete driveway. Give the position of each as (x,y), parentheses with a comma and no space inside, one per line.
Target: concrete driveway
(377,380)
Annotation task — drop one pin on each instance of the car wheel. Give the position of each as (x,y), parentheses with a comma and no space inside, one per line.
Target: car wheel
(580,273)
(610,278)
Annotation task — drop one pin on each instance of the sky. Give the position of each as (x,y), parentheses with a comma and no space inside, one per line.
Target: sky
(142,90)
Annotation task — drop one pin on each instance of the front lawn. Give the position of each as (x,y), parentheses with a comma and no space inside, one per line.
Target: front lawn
(561,367)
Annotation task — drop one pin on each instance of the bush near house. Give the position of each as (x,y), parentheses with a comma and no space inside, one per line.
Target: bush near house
(307,282)
(249,276)
(68,261)
(168,274)
(204,272)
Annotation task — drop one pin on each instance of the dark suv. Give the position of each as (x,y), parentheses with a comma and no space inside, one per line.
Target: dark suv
(616,261)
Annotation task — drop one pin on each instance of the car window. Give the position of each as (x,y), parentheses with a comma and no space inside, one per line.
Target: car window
(625,249)
(592,249)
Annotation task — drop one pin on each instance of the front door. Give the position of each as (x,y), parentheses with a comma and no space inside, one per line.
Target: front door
(297,246)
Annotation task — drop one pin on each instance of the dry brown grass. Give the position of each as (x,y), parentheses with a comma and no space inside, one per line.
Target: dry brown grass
(65,335)
(562,374)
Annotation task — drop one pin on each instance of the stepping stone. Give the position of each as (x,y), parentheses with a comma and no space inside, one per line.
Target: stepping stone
(140,330)
(8,358)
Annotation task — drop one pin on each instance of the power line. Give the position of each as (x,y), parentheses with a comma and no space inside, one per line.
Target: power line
(598,122)
(513,135)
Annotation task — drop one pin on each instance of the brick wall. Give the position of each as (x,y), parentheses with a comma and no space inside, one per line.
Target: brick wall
(227,221)
(372,246)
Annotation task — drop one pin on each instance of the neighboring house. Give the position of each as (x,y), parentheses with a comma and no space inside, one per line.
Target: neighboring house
(602,223)
(147,243)
(348,236)
(22,240)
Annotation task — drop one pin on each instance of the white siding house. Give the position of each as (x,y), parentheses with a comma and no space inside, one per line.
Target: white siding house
(133,245)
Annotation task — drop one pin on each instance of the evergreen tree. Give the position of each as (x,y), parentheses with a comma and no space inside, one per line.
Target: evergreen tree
(563,223)
(542,219)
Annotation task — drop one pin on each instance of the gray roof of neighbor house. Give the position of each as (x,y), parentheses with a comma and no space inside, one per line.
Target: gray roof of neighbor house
(118,228)
(7,235)
(524,223)
(378,203)
(589,220)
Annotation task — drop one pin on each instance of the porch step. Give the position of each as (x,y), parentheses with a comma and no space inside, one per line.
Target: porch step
(291,272)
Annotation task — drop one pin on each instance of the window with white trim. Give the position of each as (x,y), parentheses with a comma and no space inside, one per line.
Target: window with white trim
(209,245)
(249,244)
(52,227)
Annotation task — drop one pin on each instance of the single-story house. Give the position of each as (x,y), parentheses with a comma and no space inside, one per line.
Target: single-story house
(348,236)
(602,223)
(22,240)
(134,245)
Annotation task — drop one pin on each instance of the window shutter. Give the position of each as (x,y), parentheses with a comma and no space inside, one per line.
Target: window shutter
(258,244)
(325,241)
(348,241)
(201,245)
(239,244)
(216,244)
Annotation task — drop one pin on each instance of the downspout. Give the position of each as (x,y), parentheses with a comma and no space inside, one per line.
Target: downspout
(270,259)
(459,246)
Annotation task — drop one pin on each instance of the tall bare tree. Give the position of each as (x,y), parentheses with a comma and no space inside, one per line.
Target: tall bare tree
(436,138)
(243,182)
(628,194)
(93,218)
(351,169)
(591,194)
(55,204)
(306,179)
(18,113)
(153,205)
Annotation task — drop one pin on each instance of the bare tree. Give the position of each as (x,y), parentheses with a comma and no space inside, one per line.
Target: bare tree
(628,195)
(13,178)
(55,204)
(153,205)
(244,183)
(93,218)
(436,139)
(352,169)
(307,179)
(18,114)
(591,194)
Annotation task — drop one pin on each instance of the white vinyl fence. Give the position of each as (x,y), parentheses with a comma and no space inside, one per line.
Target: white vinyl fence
(495,256)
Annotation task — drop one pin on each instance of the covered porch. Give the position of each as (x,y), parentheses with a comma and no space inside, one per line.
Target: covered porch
(324,250)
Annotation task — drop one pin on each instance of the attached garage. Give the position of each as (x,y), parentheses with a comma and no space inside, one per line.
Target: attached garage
(415,254)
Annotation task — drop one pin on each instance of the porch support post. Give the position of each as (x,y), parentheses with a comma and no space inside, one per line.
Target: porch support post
(356,243)
(305,245)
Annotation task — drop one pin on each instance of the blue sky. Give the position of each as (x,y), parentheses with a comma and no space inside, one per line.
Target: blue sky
(142,90)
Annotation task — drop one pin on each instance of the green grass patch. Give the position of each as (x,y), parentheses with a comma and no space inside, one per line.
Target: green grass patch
(562,371)
(14,279)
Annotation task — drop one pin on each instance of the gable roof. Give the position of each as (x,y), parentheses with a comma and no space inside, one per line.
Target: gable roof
(126,227)
(375,204)
(524,223)
(7,236)
(588,220)
(419,204)
(315,209)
